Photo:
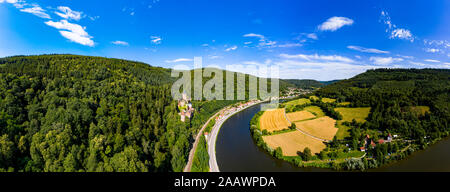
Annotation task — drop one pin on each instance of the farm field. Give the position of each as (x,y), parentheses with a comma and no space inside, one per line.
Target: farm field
(328,100)
(359,114)
(273,120)
(419,110)
(293,142)
(323,127)
(313,98)
(315,110)
(343,104)
(299,116)
(297,102)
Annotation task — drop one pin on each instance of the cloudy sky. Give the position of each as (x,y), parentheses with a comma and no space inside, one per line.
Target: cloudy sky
(321,40)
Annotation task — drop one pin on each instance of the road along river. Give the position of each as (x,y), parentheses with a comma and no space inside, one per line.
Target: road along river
(236,151)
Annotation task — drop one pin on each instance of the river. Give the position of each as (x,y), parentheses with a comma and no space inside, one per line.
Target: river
(236,152)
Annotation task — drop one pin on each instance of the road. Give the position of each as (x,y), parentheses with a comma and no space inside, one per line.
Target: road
(212,137)
(188,166)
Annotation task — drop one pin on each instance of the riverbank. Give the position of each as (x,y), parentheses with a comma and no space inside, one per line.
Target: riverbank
(212,137)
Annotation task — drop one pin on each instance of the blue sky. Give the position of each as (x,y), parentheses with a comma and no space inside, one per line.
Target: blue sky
(321,40)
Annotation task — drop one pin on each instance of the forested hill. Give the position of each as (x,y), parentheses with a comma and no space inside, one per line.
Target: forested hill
(393,93)
(304,83)
(82,113)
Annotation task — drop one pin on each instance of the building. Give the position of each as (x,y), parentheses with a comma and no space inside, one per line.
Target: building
(185,107)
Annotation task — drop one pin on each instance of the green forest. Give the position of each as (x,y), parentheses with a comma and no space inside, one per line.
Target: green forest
(76,113)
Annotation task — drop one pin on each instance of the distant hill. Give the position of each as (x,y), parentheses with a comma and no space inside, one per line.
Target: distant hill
(304,83)
(392,92)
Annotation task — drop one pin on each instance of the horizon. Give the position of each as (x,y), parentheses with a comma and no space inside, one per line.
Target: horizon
(322,40)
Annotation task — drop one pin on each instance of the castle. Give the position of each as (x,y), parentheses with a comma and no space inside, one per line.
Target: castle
(185,107)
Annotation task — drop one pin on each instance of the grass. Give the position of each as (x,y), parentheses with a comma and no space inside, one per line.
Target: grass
(274,120)
(343,104)
(348,114)
(359,114)
(343,131)
(313,98)
(315,110)
(293,142)
(322,127)
(299,116)
(420,110)
(300,101)
(328,100)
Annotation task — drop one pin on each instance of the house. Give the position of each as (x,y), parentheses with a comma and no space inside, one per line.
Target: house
(363,149)
(381,141)
(373,144)
(389,138)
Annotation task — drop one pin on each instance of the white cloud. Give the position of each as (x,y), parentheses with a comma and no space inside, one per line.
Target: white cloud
(231,48)
(402,34)
(318,57)
(178,60)
(73,32)
(254,35)
(432,50)
(312,36)
(334,23)
(215,57)
(288,45)
(394,31)
(248,42)
(432,61)
(9,1)
(263,41)
(366,50)
(156,40)
(384,60)
(67,13)
(123,43)
(36,10)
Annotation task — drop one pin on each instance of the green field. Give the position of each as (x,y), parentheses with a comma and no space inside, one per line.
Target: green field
(315,110)
(359,114)
(313,98)
(343,132)
(348,114)
(344,104)
(419,110)
(300,101)
(328,100)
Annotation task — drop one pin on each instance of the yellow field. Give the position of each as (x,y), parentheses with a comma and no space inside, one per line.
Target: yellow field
(315,110)
(323,127)
(359,114)
(273,120)
(328,100)
(298,102)
(314,98)
(420,110)
(293,142)
(343,104)
(299,115)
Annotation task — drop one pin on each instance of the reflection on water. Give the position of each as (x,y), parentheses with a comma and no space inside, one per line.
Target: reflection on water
(236,151)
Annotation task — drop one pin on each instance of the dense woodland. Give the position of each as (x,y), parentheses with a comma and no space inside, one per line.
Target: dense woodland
(78,113)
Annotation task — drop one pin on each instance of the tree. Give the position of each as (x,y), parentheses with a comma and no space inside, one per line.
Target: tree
(278,153)
(307,154)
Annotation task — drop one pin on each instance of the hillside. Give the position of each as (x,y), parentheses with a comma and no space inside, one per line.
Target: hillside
(304,83)
(411,103)
(80,113)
